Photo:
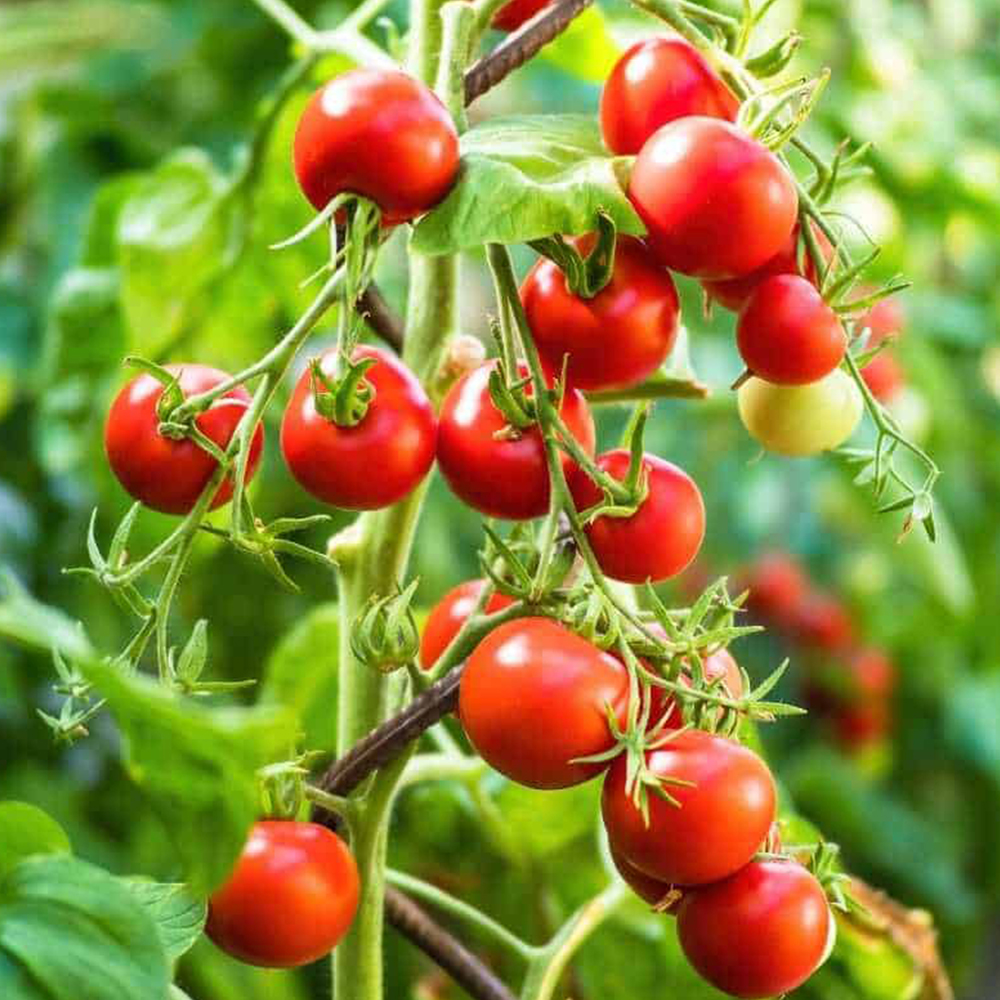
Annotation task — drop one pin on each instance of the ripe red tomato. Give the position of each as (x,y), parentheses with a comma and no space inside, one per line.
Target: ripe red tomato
(760,933)
(723,818)
(534,697)
(716,202)
(787,334)
(885,319)
(718,664)
(733,293)
(164,474)
(617,337)
(507,476)
(661,538)
(450,614)
(858,726)
(377,461)
(823,622)
(777,585)
(872,673)
(377,133)
(652,890)
(654,82)
(291,897)
(884,376)
(512,15)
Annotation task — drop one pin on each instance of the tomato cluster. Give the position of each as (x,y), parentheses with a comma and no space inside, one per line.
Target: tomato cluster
(546,708)
(884,375)
(850,683)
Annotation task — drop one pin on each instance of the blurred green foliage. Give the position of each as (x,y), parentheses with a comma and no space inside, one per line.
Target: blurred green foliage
(120,126)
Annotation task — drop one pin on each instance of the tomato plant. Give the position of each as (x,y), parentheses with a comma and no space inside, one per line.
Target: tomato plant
(169,473)
(290,899)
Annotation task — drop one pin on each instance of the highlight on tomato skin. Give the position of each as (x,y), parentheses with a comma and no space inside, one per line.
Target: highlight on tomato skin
(168,474)
(653,83)
(449,615)
(290,899)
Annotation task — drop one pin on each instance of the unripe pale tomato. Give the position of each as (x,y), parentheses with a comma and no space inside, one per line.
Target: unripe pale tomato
(801,420)
(787,334)
(647,888)
(378,133)
(617,337)
(760,933)
(507,476)
(162,473)
(823,622)
(725,811)
(884,377)
(653,83)
(717,203)
(291,897)
(661,538)
(450,614)
(534,698)
(512,15)
(733,293)
(777,585)
(377,461)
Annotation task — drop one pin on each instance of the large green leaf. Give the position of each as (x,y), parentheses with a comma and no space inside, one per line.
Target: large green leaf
(585,49)
(31,623)
(197,765)
(179,918)
(85,328)
(70,931)
(175,233)
(525,177)
(26,830)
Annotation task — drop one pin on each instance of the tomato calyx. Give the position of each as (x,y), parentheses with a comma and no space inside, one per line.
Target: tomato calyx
(345,398)
(766,125)
(385,636)
(510,398)
(512,564)
(282,786)
(585,276)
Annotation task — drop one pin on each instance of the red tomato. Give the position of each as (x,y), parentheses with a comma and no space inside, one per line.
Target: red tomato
(885,319)
(661,538)
(654,82)
(500,477)
(652,890)
(723,817)
(777,586)
(761,933)
(450,614)
(512,15)
(164,474)
(290,899)
(733,293)
(614,339)
(716,202)
(377,461)
(858,726)
(822,621)
(718,664)
(377,133)
(787,334)
(534,697)
(872,673)
(884,377)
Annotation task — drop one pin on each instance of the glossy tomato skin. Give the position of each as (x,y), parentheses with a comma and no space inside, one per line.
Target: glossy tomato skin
(717,204)
(505,478)
(884,377)
(760,933)
(777,585)
(164,474)
(290,899)
(661,538)
(723,818)
(376,462)
(450,614)
(787,334)
(649,889)
(512,15)
(534,697)
(655,82)
(801,420)
(378,133)
(614,339)
(734,292)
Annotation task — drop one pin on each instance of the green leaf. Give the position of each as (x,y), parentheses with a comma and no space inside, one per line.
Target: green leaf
(178,917)
(197,766)
(33,624)
(175,233)
(69,931)
(85,331)
(585,49)
(26,830)
(301,674)
(525,177)
(100,240)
